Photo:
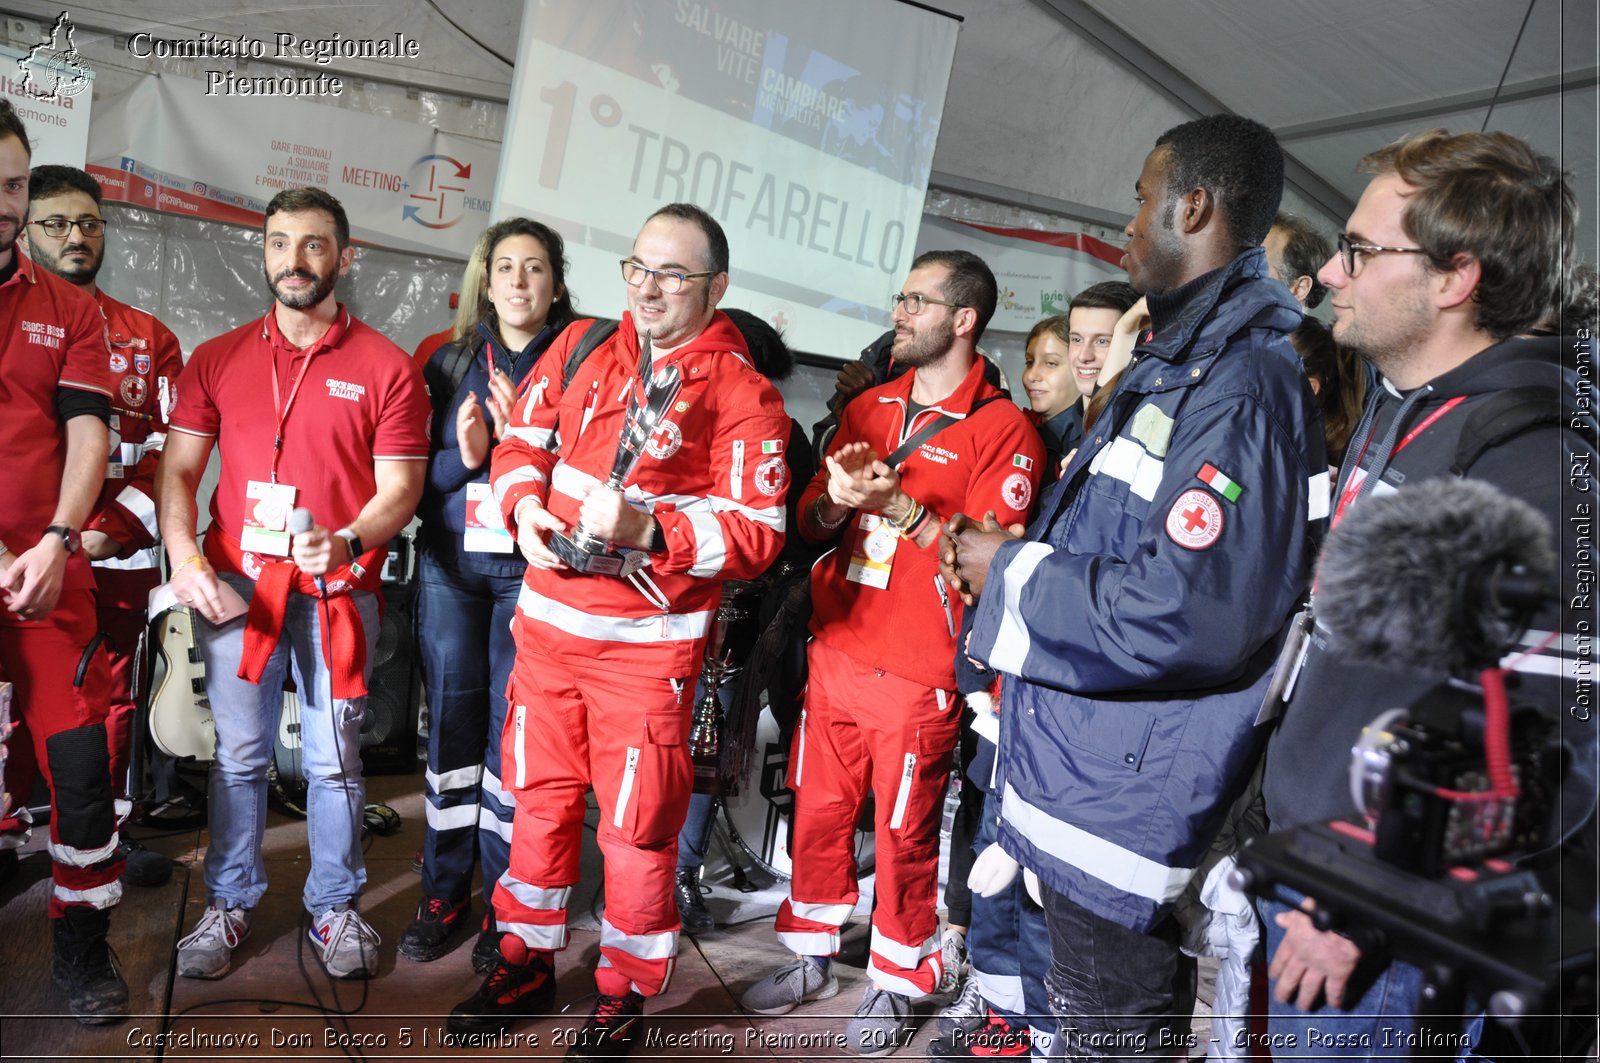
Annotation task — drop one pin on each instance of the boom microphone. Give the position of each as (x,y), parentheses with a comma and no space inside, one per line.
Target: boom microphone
(1439,577)
(300,522)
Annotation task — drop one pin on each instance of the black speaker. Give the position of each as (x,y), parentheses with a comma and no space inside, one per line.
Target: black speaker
(394,696)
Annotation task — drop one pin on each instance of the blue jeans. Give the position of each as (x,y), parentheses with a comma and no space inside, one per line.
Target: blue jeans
(246,716)
(1009,948)
(464,634)
(1117,993)
(1376,1024)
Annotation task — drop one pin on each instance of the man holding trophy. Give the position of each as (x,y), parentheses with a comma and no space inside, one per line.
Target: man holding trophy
(634,489)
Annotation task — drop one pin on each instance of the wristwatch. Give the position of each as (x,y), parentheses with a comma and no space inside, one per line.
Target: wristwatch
(352,540)
(69,537)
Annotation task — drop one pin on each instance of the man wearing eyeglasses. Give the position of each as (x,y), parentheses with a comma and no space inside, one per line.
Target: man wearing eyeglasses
(1456,248)
(882,710)
(601,692)
(67,236)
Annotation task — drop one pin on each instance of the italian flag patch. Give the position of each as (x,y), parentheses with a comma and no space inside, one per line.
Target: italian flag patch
(1218,481)
(772,446)
(1022,461)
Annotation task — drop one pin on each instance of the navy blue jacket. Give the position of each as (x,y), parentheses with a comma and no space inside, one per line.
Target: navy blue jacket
(443,507)
(1138,620)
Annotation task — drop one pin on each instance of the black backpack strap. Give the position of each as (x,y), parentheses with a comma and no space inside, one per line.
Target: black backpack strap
(1503,416)
(594,336)
(457,359)
(931,429)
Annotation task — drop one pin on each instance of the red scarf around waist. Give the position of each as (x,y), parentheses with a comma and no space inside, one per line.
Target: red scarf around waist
(344,644)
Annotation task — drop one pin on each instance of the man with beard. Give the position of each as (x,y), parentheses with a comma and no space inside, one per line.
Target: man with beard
(1138,621)
(53,447)
(601,693)
(1456,248)
(882,710)
(310,409)
(66,234)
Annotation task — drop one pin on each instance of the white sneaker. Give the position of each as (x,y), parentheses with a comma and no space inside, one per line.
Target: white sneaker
(347,945)
(208,950)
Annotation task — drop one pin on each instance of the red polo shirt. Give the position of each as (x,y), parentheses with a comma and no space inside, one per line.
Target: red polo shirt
(51,336)
(360,399)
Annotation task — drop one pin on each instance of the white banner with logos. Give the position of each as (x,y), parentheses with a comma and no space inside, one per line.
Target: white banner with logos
(170,146)
(52,99)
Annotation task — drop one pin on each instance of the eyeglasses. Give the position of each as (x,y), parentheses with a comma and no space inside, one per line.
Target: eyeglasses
(59,227)
(1348,249)
(916,301)
(668,280)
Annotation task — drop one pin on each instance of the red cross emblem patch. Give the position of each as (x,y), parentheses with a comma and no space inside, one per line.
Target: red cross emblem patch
(1195,520)
(664,441)
(1017,491)
(772,476)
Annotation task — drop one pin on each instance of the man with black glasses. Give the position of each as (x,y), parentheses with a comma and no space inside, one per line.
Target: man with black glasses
(882,709)
(66,234)
(602,690)
(1456,249)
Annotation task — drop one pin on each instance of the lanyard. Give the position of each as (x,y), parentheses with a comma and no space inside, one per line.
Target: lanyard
(1353,488)
(283,408)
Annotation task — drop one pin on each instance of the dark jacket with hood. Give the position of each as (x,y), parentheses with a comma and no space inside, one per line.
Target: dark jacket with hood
(1546,465)
(1138,619)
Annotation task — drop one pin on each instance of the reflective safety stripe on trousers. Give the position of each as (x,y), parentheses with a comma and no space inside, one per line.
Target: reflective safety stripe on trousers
(626,789)
(517,750)
(902,798)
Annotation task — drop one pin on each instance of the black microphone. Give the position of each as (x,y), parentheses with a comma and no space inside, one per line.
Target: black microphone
(300,522)
(1439,577)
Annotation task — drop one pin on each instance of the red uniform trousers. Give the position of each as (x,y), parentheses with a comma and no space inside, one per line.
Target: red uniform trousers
(570,726)
(122,628)
(861,727)
(65,722)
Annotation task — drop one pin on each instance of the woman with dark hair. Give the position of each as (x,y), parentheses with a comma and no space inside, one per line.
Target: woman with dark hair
(469,576)
(1338,378)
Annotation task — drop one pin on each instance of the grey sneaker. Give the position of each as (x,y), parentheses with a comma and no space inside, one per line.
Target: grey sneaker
(807,978)
(953,958)
(964,1014)
(881,1024)
(347,945)
(208,950)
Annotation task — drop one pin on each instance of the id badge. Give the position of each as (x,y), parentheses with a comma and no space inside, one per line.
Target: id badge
(266,518)
(114,461)
(486,530)
(873,556)
(1291,659)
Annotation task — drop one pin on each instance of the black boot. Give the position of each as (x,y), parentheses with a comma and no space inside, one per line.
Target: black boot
(84,968)
(486,950)
(610,1031)
(512,991)
(692,910)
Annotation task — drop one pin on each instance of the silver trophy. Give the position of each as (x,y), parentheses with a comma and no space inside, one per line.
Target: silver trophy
(705,732)
(648,403)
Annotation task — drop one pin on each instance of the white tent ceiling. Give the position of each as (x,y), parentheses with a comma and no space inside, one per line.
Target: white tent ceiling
(1054,103)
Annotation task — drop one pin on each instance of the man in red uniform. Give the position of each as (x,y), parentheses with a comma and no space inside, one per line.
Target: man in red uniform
(66,235)
(882,709)
(606,665)
(53,442)
(310,409)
